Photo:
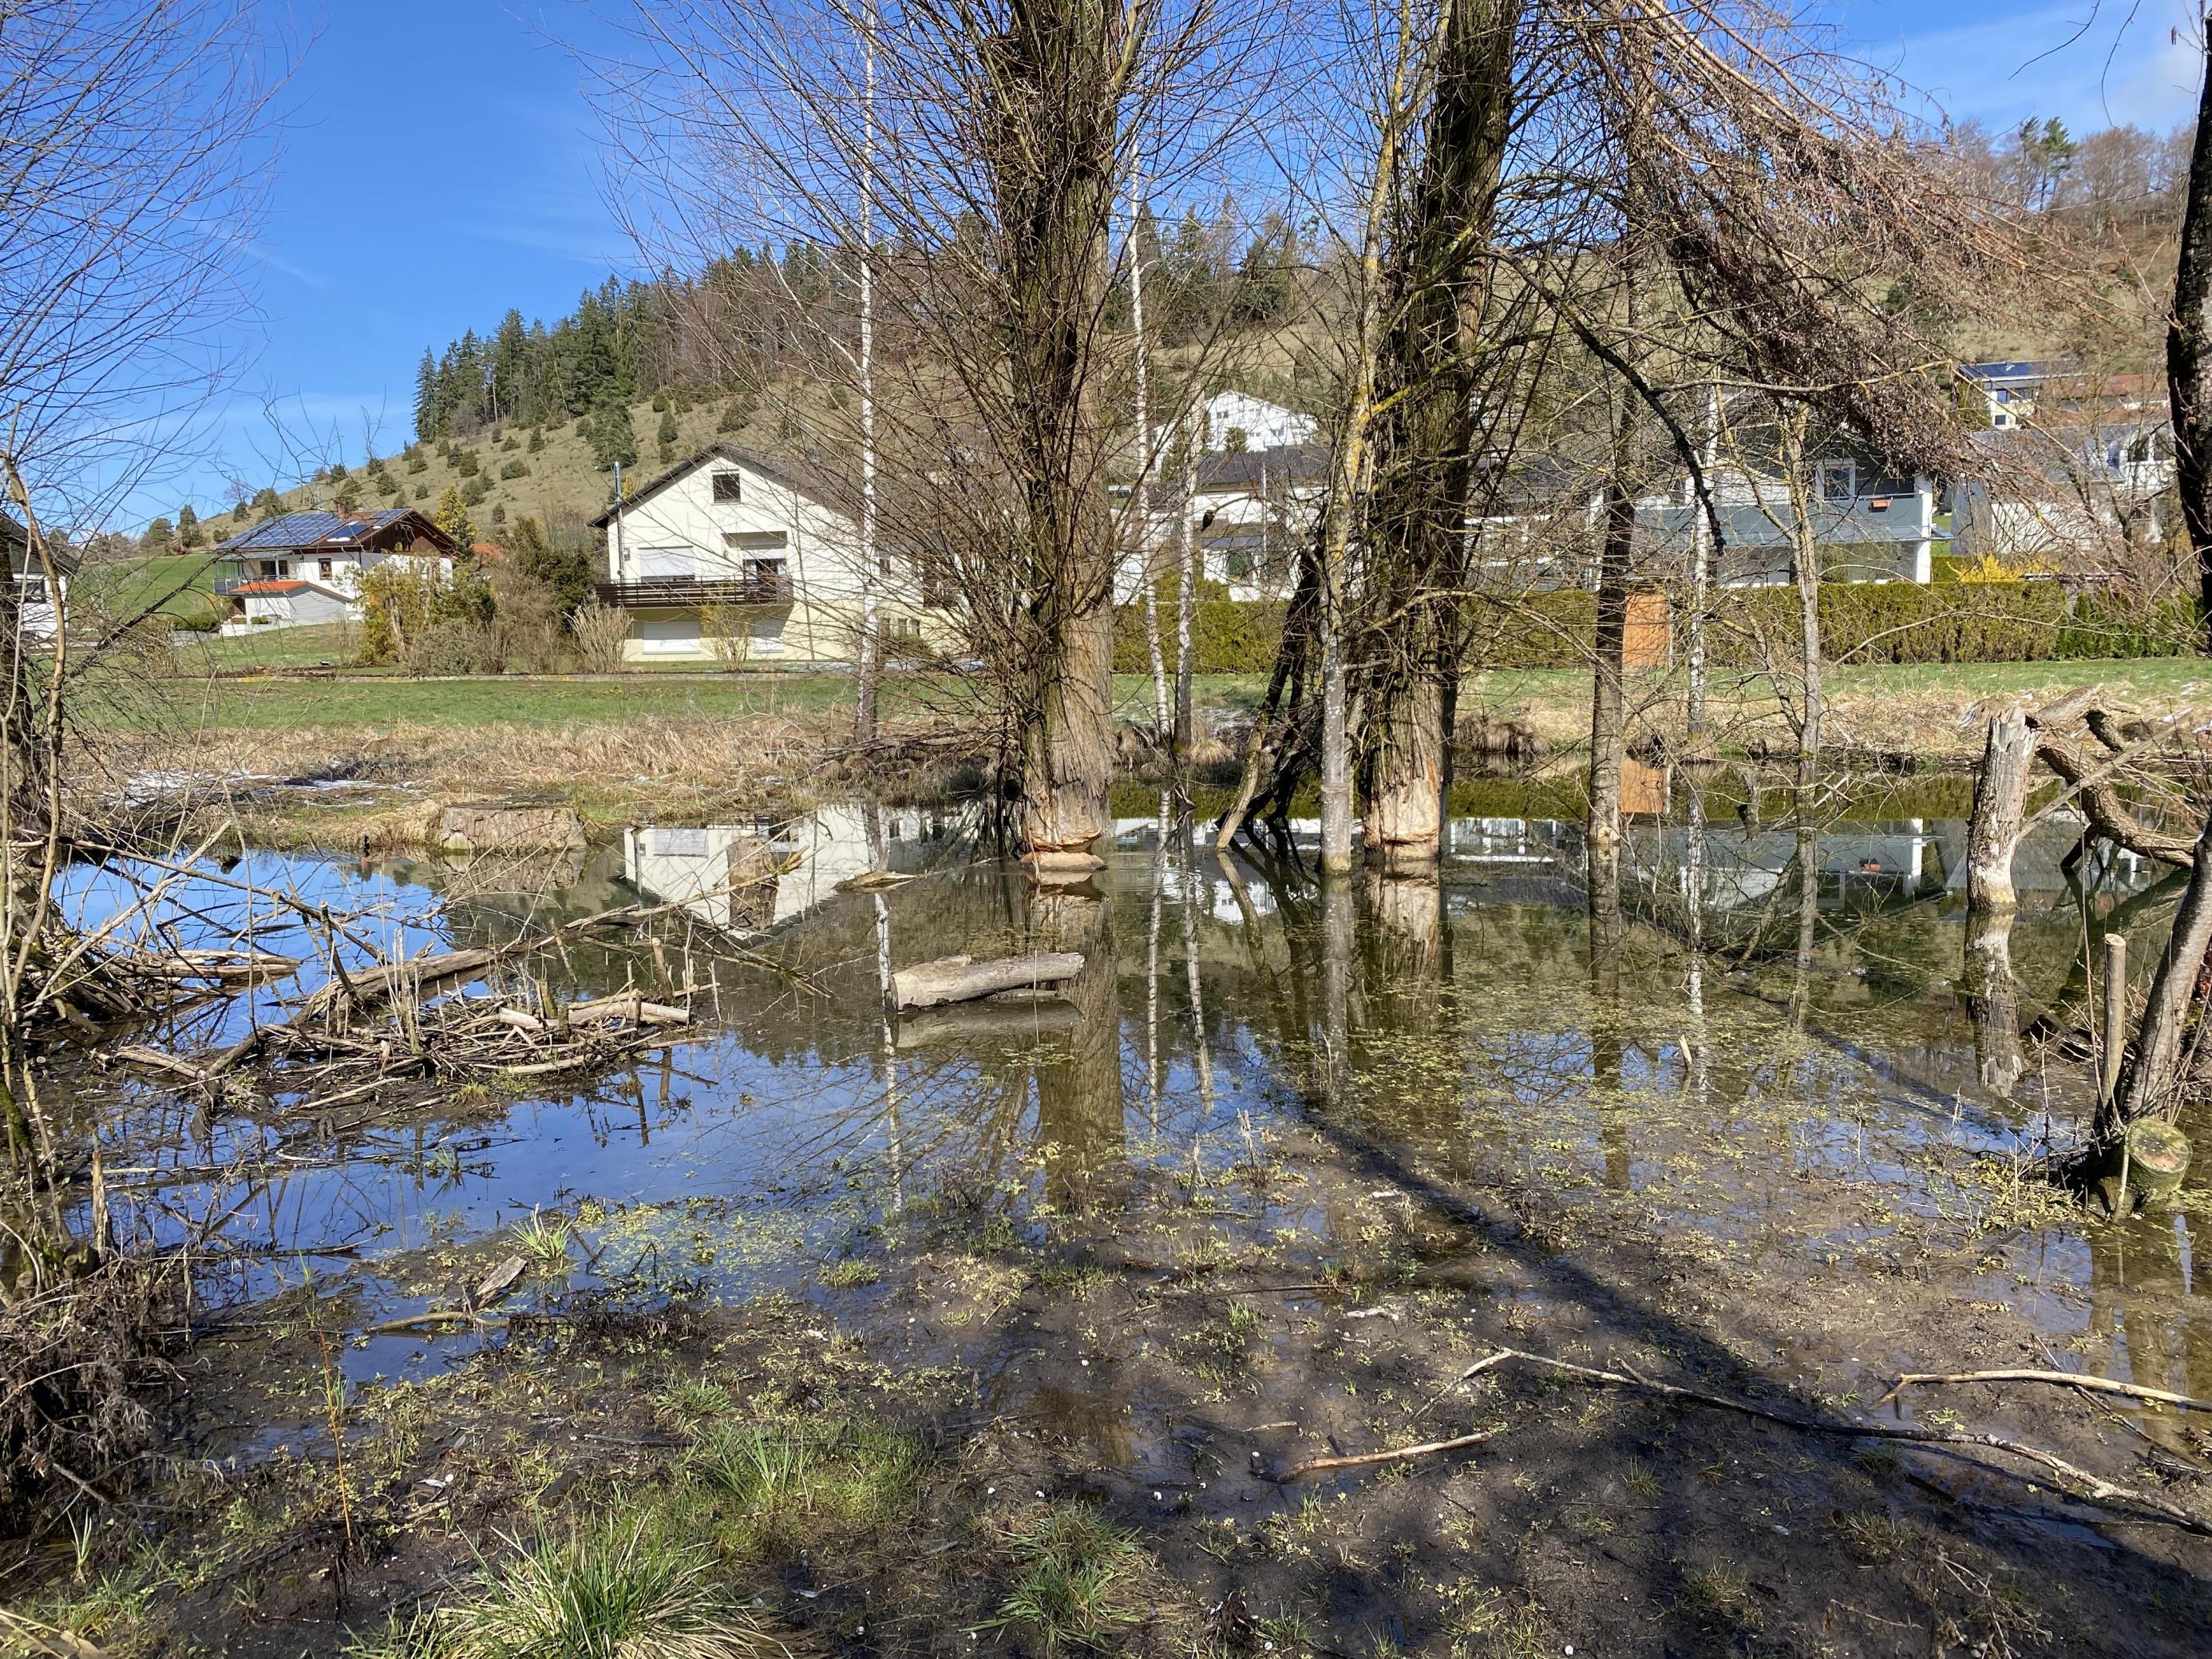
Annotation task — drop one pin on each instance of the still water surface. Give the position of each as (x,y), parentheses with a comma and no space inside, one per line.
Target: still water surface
(1840,1037)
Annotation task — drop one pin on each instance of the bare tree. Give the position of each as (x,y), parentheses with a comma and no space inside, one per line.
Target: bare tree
(129,182)
(1003,137)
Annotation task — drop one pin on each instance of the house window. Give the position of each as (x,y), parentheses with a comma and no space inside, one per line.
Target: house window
(1839,481)
(729,487)
(323,568)
(271,570)
(765,572)
(666,564)
(904,628)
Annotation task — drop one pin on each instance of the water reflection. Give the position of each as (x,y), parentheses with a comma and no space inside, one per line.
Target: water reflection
(1505,1017)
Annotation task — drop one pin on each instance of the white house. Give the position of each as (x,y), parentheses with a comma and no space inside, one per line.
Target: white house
(2006,391)
(33,606)
(2080,491)
(732,554)
(302,568)
(1237,420)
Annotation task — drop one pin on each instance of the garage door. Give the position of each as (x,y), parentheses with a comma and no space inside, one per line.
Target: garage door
(669,636)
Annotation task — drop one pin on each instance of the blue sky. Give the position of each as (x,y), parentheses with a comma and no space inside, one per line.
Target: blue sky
(439,163)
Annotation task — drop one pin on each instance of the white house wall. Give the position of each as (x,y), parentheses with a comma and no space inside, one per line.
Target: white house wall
(821,555)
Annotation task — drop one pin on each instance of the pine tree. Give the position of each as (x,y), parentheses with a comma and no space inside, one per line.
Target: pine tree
(426,397)
(188,526)
(614,440)
(159,536)
(667,436)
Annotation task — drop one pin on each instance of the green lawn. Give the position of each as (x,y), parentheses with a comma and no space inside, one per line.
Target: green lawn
(1562,694)
(174,584)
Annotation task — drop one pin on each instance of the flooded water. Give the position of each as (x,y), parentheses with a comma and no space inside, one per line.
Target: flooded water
(1842,1058)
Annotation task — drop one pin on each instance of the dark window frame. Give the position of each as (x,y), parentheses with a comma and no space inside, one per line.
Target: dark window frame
(727,489)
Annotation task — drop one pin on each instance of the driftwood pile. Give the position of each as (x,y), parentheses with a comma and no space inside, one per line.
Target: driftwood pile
(450,1015)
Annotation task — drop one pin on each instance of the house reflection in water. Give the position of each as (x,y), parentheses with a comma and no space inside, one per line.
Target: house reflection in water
(752,877)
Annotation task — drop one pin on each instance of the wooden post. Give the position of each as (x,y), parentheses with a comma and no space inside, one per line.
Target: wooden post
(2116,1021)
(2000,806)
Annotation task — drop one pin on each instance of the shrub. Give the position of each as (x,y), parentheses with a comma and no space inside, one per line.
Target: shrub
(735,414)
(474,491)
(465,464)
(1969,622)
(537,439)
(562,565)
(599,632)
(517,469)
(422,492)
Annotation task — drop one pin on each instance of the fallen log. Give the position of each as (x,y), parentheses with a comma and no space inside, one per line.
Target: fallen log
(963,979)
(985,1022)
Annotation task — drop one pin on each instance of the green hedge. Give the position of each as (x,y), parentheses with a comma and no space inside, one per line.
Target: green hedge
(1860,621)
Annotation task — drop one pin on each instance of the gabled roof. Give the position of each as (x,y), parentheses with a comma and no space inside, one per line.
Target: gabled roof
(339,533)
(2010,371)
(807,480)
(17,542)
(1245,469)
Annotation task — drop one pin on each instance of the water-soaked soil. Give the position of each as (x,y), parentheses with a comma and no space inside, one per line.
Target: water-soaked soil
(1282,1165)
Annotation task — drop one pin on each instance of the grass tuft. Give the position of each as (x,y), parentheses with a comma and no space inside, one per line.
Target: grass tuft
(780,1489)
(1077,1567)
(601,1592)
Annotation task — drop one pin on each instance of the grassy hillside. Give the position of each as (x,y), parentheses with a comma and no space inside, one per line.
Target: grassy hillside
(559,482)
(178,584)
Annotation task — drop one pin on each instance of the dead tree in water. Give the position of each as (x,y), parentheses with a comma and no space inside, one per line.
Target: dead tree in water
(2000,811)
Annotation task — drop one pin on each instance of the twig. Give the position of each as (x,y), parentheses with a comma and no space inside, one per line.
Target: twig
(2095,1489)
(1396,1455)
(2062,1379)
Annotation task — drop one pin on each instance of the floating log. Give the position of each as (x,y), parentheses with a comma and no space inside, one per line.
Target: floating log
(963,979)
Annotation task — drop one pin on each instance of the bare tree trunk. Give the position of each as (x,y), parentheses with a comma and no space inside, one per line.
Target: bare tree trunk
(2189,350)
(1053,132)
(1805,565)
(1698,747)
(864,718)
(2152,1083)
(1608,704)
(1352,464)
(1993,832)
(1431,359)
(1143,357)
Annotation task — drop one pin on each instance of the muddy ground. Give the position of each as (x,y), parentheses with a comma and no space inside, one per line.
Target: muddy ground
(1162,1370)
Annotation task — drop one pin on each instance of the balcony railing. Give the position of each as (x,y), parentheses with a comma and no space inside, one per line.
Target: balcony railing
(687,591)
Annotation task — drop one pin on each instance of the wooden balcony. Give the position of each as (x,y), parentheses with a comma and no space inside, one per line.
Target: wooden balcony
(685,592)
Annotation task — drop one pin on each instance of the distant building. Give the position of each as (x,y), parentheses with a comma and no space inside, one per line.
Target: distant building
(1870,521)
(303,569)
(34,605)
(735,555)
(1237,420)
(2066,492)
(2007,391)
